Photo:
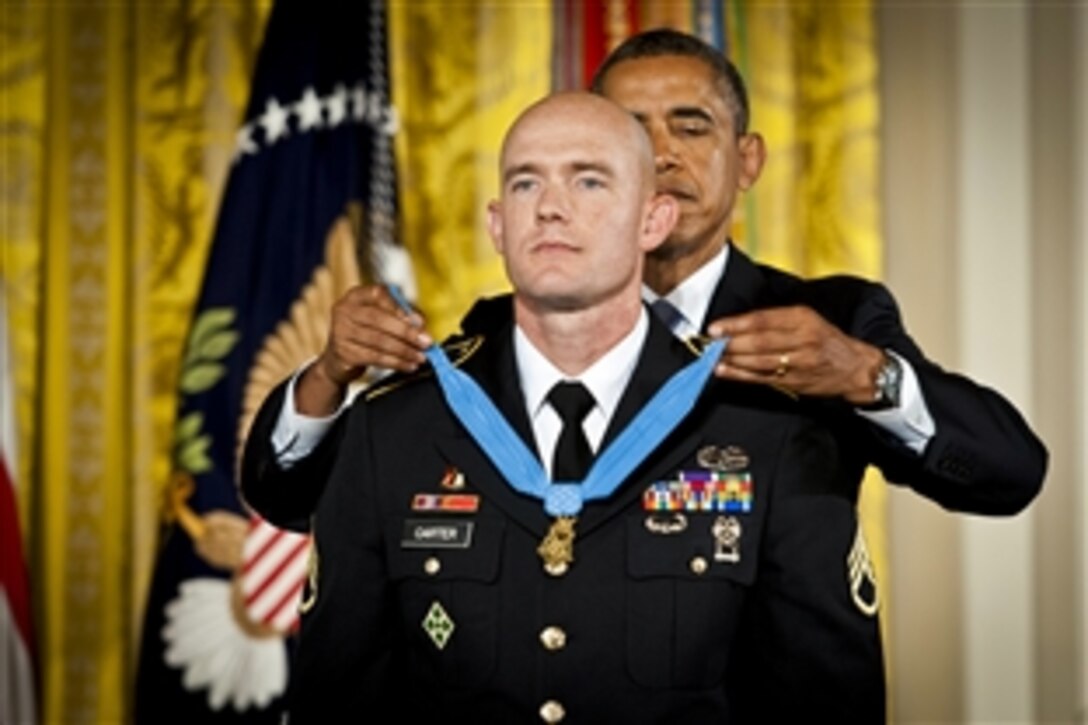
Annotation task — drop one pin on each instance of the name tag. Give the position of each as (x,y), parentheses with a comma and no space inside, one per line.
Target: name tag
(431,534)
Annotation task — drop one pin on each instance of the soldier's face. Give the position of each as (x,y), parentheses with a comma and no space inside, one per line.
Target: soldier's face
(699,158)
(571,223)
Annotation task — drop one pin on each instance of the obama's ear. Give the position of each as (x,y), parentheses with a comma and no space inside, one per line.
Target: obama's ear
(753,154)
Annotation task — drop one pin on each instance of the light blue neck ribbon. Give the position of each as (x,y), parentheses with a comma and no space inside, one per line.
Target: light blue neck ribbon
(523,471)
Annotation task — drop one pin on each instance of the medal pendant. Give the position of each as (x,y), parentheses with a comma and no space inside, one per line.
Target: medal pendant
(557,548)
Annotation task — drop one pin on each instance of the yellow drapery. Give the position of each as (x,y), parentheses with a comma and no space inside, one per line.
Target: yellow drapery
(118,123)
(811,69)
(116,126)
(460,74)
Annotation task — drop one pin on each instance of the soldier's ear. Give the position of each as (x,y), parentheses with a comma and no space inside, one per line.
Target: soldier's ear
(753,153)
(662,213)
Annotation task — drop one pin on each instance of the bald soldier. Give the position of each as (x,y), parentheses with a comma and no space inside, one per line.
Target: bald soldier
(549,521)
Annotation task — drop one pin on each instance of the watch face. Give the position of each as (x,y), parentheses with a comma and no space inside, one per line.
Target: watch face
(887,381)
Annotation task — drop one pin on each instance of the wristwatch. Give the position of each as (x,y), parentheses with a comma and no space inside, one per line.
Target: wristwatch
(889,378)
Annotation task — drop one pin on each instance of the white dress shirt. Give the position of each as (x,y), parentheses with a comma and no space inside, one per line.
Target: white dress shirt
(296,435)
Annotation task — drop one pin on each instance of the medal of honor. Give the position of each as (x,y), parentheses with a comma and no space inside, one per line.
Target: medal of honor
(557,548)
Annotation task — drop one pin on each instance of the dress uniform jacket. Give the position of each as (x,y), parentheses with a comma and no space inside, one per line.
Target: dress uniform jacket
(662,617)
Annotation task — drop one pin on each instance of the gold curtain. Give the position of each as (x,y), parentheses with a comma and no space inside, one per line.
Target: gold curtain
(117,127)
(483,63)
(812,74)
(811,69)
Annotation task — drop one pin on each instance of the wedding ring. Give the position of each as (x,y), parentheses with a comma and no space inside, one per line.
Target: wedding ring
(783,365)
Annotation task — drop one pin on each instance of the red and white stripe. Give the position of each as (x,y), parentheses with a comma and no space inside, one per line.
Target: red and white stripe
(273,574)
(18,699)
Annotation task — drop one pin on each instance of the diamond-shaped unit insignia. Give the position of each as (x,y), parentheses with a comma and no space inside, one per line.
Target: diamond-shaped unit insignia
(438,625)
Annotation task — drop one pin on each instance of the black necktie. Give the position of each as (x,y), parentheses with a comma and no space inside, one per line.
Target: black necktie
(572,453)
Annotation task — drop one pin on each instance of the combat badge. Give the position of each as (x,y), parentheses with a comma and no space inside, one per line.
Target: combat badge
(862,577)
(670,523)
(726,531)
(722,458)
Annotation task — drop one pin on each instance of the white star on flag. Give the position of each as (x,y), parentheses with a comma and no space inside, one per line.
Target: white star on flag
(274,121)
(374,109)
(244,143)
(392,122)
(336,105)
(358,103)
(308,110)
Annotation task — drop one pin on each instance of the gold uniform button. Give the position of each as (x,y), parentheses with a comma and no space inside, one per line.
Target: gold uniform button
(698,565)
(552,711)
(553,639)
(432,565)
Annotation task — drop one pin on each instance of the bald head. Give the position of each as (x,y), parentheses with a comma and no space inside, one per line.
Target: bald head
(576,216)
(590,116)
(578,208)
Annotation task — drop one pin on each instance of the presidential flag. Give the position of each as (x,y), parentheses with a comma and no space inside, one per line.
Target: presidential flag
(308,211)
